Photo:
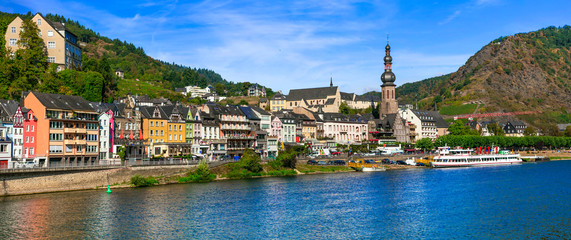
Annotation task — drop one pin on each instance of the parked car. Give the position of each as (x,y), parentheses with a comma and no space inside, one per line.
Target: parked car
(420,164)
(339,162)
(336,153)
(321,163)
(401,162)
(369,161)
(386,161)
(311,162)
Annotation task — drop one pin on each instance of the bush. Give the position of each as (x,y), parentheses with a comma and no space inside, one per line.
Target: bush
(251,161)
(275,164)
(201,174)
(140,181)
(288,159)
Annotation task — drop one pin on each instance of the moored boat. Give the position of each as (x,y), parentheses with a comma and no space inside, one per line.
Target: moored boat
(465,158)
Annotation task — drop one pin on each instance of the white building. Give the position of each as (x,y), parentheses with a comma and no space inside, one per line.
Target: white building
(265,119)
(105,128)
(195,91)
(425,122)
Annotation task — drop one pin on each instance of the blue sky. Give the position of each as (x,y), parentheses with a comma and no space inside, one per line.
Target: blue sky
(298,44)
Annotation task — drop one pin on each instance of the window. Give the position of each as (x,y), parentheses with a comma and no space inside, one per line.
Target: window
(91,149)
(91,137)
(91,126)
(162,124)
(39,22)
(170,137)
(162,133)
(69,148)
(13,42)
(180,127)
(180,137)
(79,148)
(51,44)
(51,59)
(151,132)
(28,128)
(32,128)
(31,151)
(151,124)
(13,29)
(56,125)
(170,127)
(32,139)
(56,149)
(56,136)
(50,33)
(27,139)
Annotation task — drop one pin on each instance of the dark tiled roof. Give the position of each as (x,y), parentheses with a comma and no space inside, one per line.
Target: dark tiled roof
(9,106)
(368,98)
(330,101)
(311,93)
(65,102)
(260,110)
(279,96)
(347,96)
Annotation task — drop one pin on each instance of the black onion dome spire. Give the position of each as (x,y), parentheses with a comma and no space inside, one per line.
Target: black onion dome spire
(388,77)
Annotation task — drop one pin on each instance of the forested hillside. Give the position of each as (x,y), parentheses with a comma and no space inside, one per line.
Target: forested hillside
(524,72)
(101,57)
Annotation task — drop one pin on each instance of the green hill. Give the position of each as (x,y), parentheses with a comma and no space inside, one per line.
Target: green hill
(104,55)
(524,72)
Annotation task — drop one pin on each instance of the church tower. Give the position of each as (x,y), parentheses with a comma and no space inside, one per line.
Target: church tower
(389,104)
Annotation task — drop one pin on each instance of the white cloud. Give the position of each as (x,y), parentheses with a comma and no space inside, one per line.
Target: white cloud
(451,17)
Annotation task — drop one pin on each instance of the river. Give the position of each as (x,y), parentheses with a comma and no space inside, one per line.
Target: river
(530,200)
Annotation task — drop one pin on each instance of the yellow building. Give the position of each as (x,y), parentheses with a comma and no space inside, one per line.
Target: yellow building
(176,123)
(278,102)
(155,125)
(62,46)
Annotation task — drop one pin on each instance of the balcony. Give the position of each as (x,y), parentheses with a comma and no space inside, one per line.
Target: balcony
(75,130)
(240,137)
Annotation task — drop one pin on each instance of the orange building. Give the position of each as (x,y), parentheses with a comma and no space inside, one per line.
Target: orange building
(67,129)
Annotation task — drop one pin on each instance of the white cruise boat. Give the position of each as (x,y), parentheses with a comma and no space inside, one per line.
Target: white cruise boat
(464,158)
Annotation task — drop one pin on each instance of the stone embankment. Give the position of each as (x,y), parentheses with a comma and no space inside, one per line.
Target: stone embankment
(82,180)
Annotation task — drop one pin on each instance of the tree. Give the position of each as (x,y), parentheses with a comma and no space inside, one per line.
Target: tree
(568,131)
(550,130)
(287,158)
(251,161)
(495,129)
(220,89)
(30,60)
(529,131)
(425,144)
(93,87)
(460,128)
(344,108)
(121,153)
(243,102)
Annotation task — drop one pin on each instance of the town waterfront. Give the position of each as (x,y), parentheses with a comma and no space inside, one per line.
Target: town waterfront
(501,202)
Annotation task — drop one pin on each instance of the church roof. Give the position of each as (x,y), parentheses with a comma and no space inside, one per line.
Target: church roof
(311,93)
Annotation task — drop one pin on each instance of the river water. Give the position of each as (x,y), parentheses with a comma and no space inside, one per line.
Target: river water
(530,200)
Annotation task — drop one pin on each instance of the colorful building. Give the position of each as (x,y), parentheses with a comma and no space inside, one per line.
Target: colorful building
(67,129)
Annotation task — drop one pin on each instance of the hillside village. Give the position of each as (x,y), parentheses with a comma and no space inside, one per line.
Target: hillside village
(58,129)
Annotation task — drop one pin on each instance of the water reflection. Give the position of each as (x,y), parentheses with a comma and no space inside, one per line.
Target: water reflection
(505,202)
